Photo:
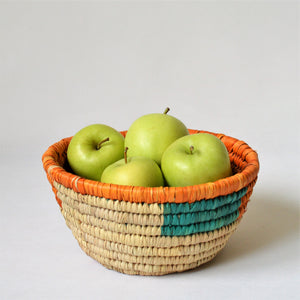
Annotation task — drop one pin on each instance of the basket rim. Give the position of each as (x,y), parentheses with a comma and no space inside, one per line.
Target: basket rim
(248,174)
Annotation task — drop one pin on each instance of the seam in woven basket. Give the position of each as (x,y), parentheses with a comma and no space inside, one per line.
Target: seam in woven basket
(74,182)
(52,167)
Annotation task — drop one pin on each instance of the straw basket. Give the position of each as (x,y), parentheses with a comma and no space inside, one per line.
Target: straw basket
(153,231)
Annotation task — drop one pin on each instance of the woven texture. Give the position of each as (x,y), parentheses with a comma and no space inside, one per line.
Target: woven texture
(153,231)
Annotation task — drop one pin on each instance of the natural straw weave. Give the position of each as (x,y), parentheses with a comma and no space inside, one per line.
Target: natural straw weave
(153,231)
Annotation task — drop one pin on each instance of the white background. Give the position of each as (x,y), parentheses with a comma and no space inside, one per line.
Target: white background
(222,66)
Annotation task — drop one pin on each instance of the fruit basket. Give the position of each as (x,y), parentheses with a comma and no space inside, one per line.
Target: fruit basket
(153,230)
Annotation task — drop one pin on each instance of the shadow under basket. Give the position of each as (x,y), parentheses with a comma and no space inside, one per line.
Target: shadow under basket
(153,231)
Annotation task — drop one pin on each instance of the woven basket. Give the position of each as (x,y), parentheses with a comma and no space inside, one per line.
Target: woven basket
(153,231)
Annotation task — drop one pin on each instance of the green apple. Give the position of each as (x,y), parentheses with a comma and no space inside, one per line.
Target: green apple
(133,171)
(151,134)
(93,148)
(195,159)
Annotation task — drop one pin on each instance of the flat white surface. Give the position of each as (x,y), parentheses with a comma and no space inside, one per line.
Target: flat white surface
(230,67)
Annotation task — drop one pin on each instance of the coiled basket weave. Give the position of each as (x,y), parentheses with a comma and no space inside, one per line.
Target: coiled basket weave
(153,231)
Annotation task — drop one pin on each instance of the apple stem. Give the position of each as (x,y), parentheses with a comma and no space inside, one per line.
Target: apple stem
(192,149)
(125,154)
(166,110)
(100,144)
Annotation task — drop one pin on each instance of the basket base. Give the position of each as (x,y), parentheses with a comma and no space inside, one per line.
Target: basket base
(147,270)
(152,260)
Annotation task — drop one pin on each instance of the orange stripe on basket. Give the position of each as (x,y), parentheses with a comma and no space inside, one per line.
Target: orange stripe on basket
(242,156)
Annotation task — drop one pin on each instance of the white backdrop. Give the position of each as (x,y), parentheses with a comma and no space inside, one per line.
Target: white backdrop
(222,66)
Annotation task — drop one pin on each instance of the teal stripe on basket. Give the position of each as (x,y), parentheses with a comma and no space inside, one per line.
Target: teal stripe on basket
(201,216)
(199,227)
(203,205)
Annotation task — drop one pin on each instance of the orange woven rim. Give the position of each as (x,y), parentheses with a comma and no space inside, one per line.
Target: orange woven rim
(243,158)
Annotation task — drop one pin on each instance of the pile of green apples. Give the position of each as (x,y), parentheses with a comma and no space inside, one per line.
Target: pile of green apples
(157,150)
